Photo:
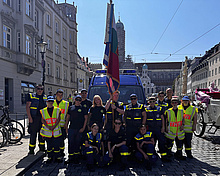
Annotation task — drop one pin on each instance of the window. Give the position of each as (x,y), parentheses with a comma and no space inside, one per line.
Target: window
(36,19)
(65,75)
(215,82)
(19,41)
(70,38)
(64,53)
(218,69)
(210,63)
(6,37)
(64,33)
(28,7)
(58,72)
(57,27)
(71,77)
(48,19)
(209,73)
(19,5)
(215,71)
(8,2)
(216,60)
(26,88)
(48,68)
(56,48)
(48,43)
(35,50)
(212,72)
(28,45)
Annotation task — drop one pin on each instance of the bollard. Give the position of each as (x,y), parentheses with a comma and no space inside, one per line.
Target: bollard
(24,125)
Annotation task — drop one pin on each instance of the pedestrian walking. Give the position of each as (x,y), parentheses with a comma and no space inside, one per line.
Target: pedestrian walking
(51,130)
(70,99)
(190,117)
(35,102)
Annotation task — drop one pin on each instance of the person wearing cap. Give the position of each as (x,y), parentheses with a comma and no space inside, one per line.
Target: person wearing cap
(175,129)
(77,115)
(35,102)
(134,117)
(70,99)
(156,124)
(51,130)
(113,106)
(190,117)
(63,105)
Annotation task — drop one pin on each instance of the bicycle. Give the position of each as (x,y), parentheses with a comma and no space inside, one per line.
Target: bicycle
(14,134)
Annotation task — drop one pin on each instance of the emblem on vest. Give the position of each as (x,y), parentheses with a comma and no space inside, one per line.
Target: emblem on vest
(101,111)
(158,115)
(84,105)
(137,114)
(79,110)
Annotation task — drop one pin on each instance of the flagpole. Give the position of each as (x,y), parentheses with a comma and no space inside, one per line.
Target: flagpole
(110,1)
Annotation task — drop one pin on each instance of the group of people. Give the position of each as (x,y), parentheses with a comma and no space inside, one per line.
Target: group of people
(105,134)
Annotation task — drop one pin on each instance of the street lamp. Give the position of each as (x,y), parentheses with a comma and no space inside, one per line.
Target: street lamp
(42,47)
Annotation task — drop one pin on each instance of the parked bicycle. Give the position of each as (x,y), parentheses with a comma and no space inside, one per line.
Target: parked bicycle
(11,126)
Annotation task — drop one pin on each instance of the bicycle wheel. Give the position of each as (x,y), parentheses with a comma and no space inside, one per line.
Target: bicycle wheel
(2,138)
(5,134)
(15,135)
(16,124)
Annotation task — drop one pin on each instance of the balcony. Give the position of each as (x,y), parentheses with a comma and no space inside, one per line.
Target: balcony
(25,64)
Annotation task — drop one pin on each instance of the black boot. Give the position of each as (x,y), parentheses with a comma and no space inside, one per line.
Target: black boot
(148,165)
(90,168)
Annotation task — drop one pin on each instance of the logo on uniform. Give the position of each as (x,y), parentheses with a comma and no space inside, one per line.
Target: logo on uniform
(84,105)
(79,110)
(137,114)
(101,111)
(158,115)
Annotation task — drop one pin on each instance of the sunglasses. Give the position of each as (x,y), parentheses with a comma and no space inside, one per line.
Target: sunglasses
(50,101)
(117,123)
(174,102)
(78,100)
(133,98)
(40,88)
(60,92)
(151,101)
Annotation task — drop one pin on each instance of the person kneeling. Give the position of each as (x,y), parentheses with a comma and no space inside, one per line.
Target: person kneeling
(145,146)
(94,148)
(51,130)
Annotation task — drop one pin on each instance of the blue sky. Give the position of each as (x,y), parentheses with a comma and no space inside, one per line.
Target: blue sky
(144,22)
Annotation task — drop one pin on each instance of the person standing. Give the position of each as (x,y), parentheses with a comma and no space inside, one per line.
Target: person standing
(77,116)
(190,117)
(70,99)
(51,130)
(63,105)
(175,129)
(35,102)
(156,124)
(134,117)
(86,103)
(117,145)
(161,102)
(113,106)
(169,94)
(96,113)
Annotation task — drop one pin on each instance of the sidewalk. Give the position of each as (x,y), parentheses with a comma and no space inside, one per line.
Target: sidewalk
(14,158)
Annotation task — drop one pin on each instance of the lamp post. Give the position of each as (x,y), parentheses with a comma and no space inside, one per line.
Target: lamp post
(42,47)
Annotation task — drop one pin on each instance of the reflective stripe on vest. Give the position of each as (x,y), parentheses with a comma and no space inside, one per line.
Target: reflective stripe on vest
(174,124)
(64,108)
(188,117)
(130,114)
(45,132)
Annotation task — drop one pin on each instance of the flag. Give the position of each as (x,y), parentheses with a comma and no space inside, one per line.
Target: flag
(111,60)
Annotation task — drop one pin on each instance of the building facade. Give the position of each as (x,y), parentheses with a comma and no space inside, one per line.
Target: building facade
(162,74)
(22,23)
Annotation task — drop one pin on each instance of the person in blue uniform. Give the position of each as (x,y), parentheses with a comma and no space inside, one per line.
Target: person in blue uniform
(77,116)
(96,113)
(156,124)
(117,145)
(145,147)
(94,148)
(35,102)
(161,102)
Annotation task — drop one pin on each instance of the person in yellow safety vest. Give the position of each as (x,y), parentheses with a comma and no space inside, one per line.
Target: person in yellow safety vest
(190,117)
(51,130)
(174,131)
(35,102)
(63,105)
(70,100)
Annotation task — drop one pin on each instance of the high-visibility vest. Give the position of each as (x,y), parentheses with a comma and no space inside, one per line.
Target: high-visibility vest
(70,99)
(174,124)
(134,115)
(64,108)
(45,132)
(153,117)
(35,102)
(188,117)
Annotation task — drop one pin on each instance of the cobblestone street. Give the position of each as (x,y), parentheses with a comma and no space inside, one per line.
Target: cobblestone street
(206,152)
